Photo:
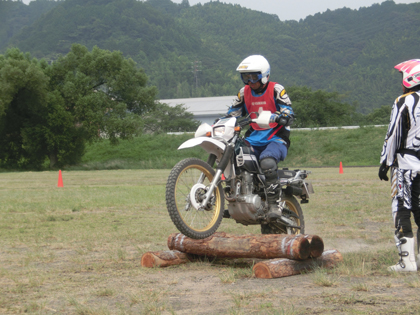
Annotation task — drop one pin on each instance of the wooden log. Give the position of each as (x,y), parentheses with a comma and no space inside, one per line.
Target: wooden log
(265,246)
(164,258)
(277,268)
(317,245)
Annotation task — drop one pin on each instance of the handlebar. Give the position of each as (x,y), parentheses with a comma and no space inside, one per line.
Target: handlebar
(244,122)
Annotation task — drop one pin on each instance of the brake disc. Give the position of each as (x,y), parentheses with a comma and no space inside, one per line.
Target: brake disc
(197,191)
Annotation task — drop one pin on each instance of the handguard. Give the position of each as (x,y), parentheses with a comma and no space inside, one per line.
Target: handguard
(263,119)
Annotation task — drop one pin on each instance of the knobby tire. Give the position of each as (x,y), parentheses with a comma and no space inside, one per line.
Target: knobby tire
(196,224)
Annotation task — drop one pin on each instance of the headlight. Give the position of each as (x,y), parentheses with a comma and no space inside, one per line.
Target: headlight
(219,131)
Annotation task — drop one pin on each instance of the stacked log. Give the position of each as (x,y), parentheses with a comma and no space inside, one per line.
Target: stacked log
(164,258)
(285,254)
(265,246)
(277,268)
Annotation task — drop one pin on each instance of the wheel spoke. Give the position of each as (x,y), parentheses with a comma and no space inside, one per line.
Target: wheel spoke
(187,195)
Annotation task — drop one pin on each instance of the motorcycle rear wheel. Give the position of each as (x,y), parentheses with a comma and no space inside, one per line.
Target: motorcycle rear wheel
(183,179)
(292,210)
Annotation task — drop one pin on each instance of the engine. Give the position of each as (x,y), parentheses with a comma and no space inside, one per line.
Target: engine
(244,206)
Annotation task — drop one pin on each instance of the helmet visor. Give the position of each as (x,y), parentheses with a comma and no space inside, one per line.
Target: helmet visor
(252,77)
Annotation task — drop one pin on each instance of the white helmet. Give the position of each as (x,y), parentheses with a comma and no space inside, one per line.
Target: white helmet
(254,68)
(411,72)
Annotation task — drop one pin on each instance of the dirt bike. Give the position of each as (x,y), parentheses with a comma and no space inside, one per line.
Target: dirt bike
(195,191)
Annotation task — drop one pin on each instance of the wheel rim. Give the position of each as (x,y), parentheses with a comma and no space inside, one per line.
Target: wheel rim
(197,220)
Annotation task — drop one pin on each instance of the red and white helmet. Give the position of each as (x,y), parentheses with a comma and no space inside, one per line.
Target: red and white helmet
(411,72)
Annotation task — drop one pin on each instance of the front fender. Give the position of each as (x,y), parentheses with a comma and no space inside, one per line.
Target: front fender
(212,146)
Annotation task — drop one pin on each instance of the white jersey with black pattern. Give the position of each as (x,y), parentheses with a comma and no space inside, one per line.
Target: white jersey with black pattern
(403,133)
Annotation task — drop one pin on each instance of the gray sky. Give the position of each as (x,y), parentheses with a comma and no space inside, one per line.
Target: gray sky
(295,9)
(298,9)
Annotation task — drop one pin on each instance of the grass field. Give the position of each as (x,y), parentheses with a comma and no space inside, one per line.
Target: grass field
(77,250)
(312,148)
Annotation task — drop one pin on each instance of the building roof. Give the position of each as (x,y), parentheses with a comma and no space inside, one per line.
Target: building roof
(203,106)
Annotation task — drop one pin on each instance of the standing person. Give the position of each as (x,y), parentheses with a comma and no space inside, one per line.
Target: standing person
(401,153)
(270,144)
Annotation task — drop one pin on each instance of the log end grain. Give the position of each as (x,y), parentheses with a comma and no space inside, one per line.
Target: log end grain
(317,246)
(262,271)
(148,260)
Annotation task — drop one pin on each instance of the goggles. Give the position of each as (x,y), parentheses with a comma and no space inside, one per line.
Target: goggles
(251,77)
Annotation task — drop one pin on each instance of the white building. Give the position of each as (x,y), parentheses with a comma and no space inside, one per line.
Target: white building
(207,109)
(204,109)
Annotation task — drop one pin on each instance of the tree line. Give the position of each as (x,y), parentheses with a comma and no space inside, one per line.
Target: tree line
(351,52)
(50,111)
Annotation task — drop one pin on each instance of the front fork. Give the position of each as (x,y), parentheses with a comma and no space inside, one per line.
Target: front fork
(224,161)
(210,161)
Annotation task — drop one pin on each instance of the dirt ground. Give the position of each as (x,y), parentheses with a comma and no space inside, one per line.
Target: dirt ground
(202,290)
(92,283)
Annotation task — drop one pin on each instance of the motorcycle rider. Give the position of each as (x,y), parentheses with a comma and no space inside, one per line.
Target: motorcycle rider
(270,144)
(401,154)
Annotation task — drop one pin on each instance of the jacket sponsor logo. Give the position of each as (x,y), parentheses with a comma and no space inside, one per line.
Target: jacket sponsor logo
(258,103)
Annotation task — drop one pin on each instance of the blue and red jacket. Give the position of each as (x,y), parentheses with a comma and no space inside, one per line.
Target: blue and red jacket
(273,98)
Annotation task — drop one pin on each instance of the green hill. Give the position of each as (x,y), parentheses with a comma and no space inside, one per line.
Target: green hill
(15,16)
(193,51)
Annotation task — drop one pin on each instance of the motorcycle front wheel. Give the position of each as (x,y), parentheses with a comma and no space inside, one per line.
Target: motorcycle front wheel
(187,183)
(293,211)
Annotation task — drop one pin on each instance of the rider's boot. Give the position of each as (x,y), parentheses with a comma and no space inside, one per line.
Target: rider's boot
(407,261)
(273,200)
(272,187)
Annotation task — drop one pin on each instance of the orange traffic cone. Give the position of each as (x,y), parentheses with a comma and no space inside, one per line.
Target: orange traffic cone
(341,168)
(60,179)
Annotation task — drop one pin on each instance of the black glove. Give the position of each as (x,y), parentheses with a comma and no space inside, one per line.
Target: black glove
(383,170)
(281,120)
